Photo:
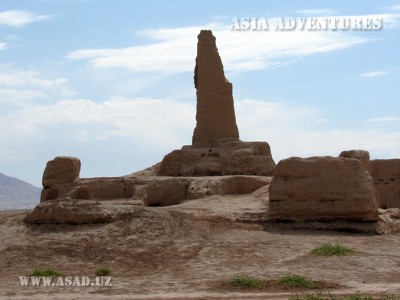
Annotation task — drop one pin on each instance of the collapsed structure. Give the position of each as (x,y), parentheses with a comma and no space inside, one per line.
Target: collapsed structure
(348,188)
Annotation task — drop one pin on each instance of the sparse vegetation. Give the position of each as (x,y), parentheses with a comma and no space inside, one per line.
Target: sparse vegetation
(356,296)
(103,271)
(289,280)
(310,297)
(329,250)
(296,280)
(46,273)
(390,297)
(245,281)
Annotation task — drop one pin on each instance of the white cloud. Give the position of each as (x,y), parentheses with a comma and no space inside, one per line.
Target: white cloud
(21,78)
(373,74)
(384,119)
(19,18)
(302,143)
(86,120)
(3,46)
(295,131)
(18,97)
(19,87)
(173,50)
(145,129)
(252,114)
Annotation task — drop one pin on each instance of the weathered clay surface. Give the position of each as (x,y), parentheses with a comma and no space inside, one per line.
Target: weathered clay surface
(85,212)
(361,155)
(91,189)
(229,158)
(61,169)
(86,200)
(225,185)
(153,190)
(166,192)
(322,189)
(215,115)
(386,176)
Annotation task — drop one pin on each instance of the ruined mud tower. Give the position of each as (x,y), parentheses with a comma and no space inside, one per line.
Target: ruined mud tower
(215,113)
(216,148)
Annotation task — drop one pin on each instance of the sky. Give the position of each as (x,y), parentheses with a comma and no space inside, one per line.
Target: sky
(111,82)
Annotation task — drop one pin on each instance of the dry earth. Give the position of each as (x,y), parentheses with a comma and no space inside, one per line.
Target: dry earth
(188,251)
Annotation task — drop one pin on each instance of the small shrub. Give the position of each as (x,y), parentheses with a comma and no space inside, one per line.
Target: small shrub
(102,271)
(45,273)
(296,280)
(329,250)
(244,281)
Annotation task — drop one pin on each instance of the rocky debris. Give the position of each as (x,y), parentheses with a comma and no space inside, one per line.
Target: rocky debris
(322,189)
(389,221)
(61,169)
(390,215)
(361,155)
(227,158)
(215,115)
(386,177)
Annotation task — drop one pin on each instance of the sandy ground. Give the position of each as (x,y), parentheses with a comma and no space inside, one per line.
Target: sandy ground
(188,251)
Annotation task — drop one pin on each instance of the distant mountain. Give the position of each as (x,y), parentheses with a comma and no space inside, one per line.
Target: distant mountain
(17,194)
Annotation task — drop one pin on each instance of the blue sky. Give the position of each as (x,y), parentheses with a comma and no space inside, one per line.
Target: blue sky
(111,82)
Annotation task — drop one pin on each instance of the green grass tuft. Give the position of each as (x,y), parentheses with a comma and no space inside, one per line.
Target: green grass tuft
(102,271)
(329,250)
(46,273)
(296,280)
(244,281)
